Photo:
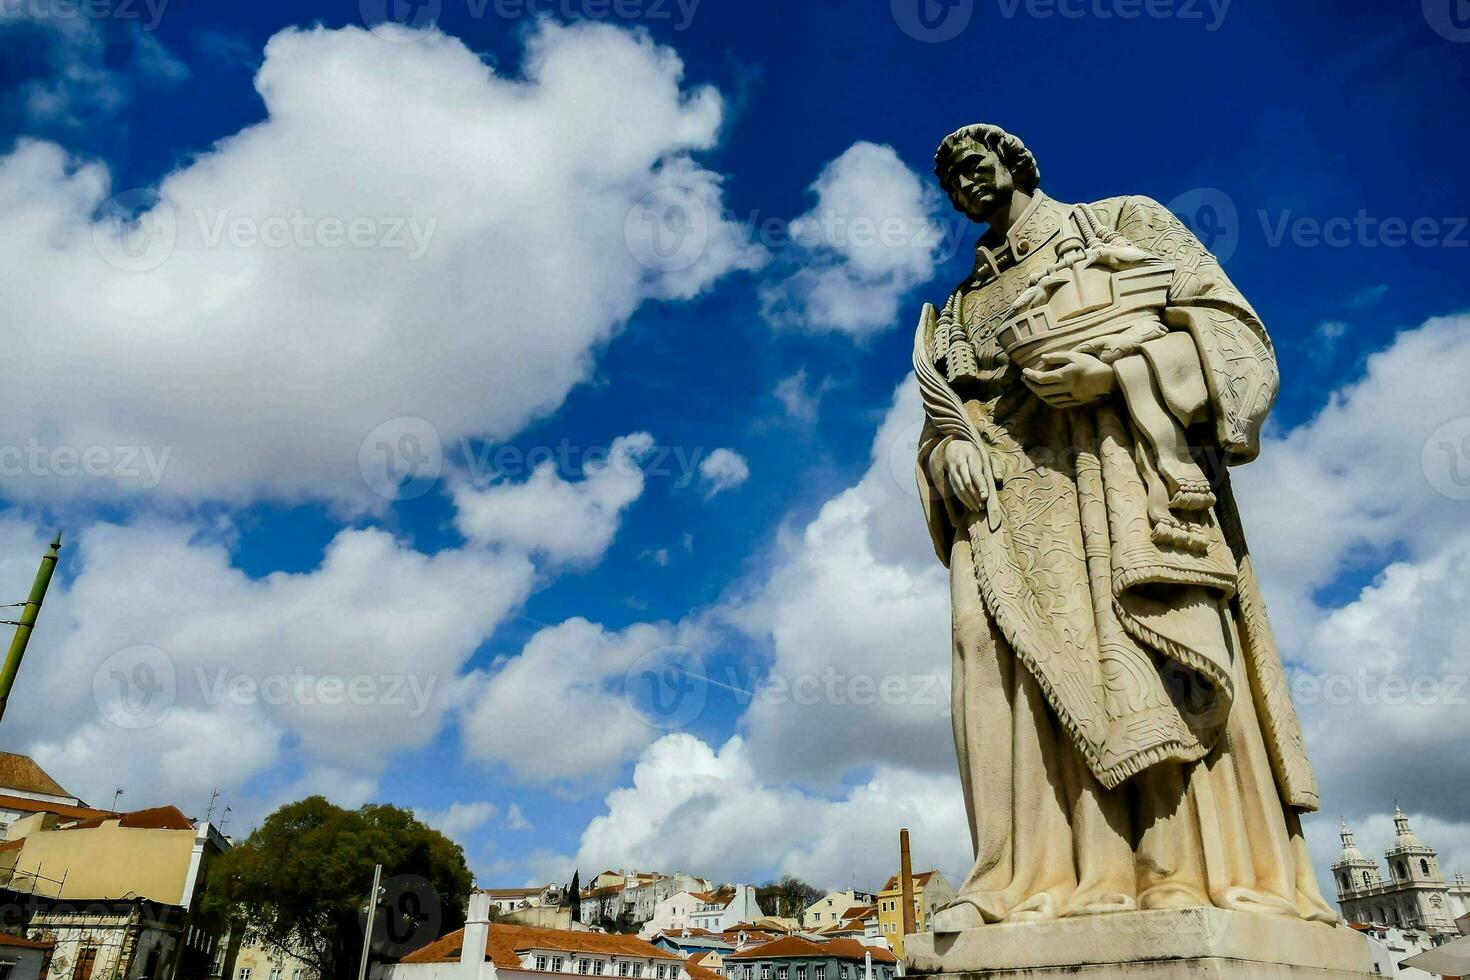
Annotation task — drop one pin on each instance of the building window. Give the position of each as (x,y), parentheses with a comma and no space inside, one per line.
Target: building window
(244,973)
(86,960)
(540,962)
(556,964)
(275,973)
(1424,866)
(801,972)
(637,970)
(597,968)
(765,971)
(821,971)
(296,974)
(622,968)
(783,972)
(582,966)
(1365,879)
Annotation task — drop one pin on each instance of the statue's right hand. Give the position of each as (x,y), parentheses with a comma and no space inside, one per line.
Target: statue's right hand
(968,471)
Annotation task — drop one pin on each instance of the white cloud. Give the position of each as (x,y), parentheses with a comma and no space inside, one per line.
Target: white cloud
(690,806)
(547,515)
(516,820)
(801,399)
(159,666)
(1344,490)
(870,239)
(460,818)
(721,470)
(857,612)
(560,710)
(522,212)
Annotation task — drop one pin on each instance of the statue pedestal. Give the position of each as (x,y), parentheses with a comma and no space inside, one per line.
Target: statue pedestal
(1203,943)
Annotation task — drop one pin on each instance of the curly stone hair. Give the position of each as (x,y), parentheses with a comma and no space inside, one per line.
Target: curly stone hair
(1012,152)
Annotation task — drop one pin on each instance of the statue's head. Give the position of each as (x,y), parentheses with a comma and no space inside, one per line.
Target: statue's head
(980,166)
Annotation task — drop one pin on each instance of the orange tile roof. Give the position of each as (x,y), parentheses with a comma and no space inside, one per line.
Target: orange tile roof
(921,878)
(21,772)
(696,969)
(27,805)
(722,896)
(154,818)
(505,941)
(798,946)
(20,942)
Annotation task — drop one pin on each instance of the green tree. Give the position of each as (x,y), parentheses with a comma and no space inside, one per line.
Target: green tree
(299,883)
(787,897)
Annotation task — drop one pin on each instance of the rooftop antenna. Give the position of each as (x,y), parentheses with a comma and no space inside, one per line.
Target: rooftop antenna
(115,794)
(209,813)
(224,818)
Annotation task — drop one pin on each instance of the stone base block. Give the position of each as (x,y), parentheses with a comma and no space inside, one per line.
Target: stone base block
(1187,944)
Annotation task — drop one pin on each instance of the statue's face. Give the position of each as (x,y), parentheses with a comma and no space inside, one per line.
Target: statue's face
(978,183)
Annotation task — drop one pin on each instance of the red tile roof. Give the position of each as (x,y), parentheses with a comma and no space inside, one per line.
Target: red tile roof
(27,805)
(505,940)
(154,818)
(19,942)
(696,969)
(921,878)
(21,772)
(798,946)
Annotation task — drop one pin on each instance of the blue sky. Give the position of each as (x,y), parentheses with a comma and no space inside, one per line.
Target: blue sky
(755,523)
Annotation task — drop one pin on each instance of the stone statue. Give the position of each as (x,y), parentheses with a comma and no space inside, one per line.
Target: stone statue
(1125,735)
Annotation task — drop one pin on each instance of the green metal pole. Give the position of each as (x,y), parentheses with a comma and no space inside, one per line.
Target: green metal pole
(26,623)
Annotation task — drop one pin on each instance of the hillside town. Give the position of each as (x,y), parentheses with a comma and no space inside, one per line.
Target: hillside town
(90,893)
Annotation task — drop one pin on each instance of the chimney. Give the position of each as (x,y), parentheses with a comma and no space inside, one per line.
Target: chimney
(476,937)
(868,964)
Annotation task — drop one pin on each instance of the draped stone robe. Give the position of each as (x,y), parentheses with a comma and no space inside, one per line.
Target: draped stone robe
(1124,730)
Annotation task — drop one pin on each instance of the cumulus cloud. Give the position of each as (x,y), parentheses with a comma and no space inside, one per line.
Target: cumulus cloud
(721,470)
(802,399)
(460,818)
(693,806)
(871,237)
(1382,466)
(562,709)
(210,677)
(856,608)
(352,277)
(515,819)
(564,521)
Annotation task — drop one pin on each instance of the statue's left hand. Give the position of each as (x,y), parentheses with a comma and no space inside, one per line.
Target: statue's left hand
(1070,379)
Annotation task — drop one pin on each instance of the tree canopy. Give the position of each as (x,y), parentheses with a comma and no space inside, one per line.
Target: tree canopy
(300,882)
(787,897)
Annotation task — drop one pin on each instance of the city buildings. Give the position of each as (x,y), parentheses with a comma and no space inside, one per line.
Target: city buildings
(1414,897)
(495,951)
(800,958)
(834,908)
(932,891)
